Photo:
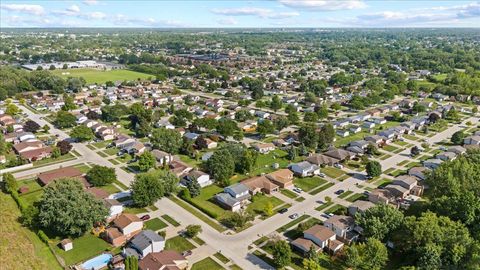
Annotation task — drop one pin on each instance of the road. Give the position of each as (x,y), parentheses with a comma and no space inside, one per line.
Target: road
(233,246)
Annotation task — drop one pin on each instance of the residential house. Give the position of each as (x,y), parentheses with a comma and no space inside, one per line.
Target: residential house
(321,159)
(207,143)
(67,172)
(343,133)
(368,125)
(203,179)
(305,245)
(164,260)
(355,129)
(472,140)
(376,139)
(144,243)
(191,136)
(128,224)
(282,178)
(6,120)
(260,184)
(445,156)
(406,181)
(320,235)
(457,149)
(419,172)
(359,207)
(264,148)
(238,191)
(381,196)
(340,154)
(340,224)
(179,168)
(432,163)
(304,169)
(162,157)
(115,208)
(228,202)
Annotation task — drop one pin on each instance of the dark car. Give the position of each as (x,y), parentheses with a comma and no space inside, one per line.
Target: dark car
(187,253)
(145,217)
(283,210)
(340,191)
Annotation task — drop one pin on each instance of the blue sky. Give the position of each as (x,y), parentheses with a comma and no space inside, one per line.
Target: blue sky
(216,13)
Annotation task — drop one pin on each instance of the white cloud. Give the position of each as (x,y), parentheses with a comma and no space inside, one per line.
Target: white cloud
(126,21)
(227,21)
(243,11)
(74,9)
(252,11)
(90,2)
(24,8)
(96,15)
(324,5)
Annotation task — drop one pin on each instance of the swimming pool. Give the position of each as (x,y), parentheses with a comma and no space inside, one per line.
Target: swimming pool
(98,262)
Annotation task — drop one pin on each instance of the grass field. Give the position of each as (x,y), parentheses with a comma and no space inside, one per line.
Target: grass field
(309,183)
(85,247)
(206,264)
(100,76)
(26,248)
(179,244)
(155,224)
(259,203)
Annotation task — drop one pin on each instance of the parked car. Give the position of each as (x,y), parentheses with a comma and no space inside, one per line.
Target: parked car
(283,210)
(145,217)
(321,175)
(340,191)
(325,215)
(293,216)
(320,202)
(366,192)
(298,190)
(187,253)
(339,166)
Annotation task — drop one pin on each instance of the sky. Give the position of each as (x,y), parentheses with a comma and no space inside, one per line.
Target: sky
(240,14)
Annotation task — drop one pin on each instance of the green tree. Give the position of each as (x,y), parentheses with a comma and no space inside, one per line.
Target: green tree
(247,161)
(373,168)
(309,264)
(101,175)
(3,144)
(65,119)
(372,255)
(282,254)
(457,138)
(326,135)
(148,187)
(268,210)
(68,210)
(69,103)
(276,103)
(12,109)
(193,230)
(308,136)
(167,140)
(64,147)
(292,153)
(265,127)
(221,166)
(227,127)
(82,133)
(146,161)
(31,126)
(194,188)
(322,111)
(379,221)
(131,263)
(11,184)
(310,117)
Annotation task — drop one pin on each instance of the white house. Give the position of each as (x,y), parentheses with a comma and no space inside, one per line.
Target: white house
(128,224)
(114,207)
(340,224)
(264,148)
(202,178)
(305,168)
(320,235)
(144,243)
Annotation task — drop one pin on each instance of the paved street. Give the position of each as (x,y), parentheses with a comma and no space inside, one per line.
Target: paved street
(233,246)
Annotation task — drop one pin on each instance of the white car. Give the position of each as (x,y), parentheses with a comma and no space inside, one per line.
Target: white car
(321,175)
(339,166)
(293,216)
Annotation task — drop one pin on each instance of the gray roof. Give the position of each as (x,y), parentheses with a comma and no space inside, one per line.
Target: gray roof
(304,165)
(238,188)
(145,238)
(226,199)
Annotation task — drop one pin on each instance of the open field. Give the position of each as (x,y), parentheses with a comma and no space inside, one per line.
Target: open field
(27,247)
(100,76)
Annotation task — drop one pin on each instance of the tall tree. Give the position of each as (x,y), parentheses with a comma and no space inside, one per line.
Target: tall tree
(82,133)
(167,140)
(221,166)
(101,175)
(68,210)
(146,161)
(282,254)
(379,221)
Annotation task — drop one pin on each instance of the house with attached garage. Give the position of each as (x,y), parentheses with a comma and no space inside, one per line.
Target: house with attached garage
(264,148)
(340,225)
(203,179)
(317,237)
(305,169)
(144,243)
(162,157)
(233,197)
(115,208)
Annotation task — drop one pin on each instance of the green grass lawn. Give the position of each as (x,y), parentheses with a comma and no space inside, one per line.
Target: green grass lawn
(390,148)
(32,197)
(345,194)
(356,197)
(46,161)
(221,257)
(100,76)
(110,188)
(84,247)
(179,244)
(332,172)
(198,214)
(206,264)
(324,206)
(353,137)
(309,183)
(84,168)
(292,223)
(205,201)
(155,224)
(336,209)
(134,210)
(31,184)
(290,194)
(235,267)
(259,202)
(322,188)
(111,151)
(170,220)
(198,240)
(385,156)
(383,182)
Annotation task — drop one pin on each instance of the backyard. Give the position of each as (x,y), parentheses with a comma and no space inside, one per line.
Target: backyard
(309,183)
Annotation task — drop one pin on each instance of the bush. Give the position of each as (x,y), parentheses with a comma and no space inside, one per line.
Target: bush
(162,234)
(43,236)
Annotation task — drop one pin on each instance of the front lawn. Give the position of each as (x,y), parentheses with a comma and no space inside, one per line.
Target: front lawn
(170,220)
(205,201)
(46,161)
(84,247)
(345,194)
(309,183)
(259,202)
(389,148)
(155,224)
(322,188)
(290,194)
(206,264)
(179,244)
(332,172)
